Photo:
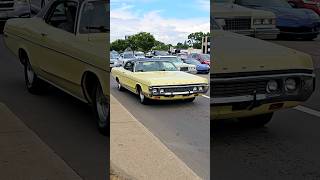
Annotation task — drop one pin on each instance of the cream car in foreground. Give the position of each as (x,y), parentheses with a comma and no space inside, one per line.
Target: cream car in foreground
(246,21)
(251,78)
(65,46)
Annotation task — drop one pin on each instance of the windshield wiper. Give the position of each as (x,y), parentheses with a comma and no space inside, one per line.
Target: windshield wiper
(101,28)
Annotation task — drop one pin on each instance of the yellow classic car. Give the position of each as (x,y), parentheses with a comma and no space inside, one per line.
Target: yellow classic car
(158,79)
(65,46)
(251,78)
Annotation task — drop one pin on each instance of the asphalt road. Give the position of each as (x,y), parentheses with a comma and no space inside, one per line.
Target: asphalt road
(62,122)
(183,127)
(287,148)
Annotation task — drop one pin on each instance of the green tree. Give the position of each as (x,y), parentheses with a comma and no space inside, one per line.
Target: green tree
(119,45)
(195,39)
(143,41)
(160,46)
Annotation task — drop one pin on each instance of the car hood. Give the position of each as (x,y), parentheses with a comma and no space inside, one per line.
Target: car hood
(234,53)
(165,78)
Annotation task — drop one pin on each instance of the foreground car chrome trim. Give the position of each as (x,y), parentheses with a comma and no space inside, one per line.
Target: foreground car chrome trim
(262,77)
(235,99)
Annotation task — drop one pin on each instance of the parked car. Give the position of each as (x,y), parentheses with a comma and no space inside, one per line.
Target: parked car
(178,63)
(202,58)
(182,56)
(68,51)
(201,68)
(246,21)
(126,56)
(251,78)
(15,9)
(114,60)
(292,22)
(156,79)
(139,55)
(307,4)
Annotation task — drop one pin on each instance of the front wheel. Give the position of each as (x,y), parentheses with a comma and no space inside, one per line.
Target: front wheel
(256,121)
(142,97)
(102,111)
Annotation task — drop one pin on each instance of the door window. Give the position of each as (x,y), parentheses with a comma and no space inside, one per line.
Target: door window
(63,15)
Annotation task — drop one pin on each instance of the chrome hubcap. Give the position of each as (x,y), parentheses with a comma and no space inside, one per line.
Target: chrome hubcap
(102,108)
(141,96)
(30,74)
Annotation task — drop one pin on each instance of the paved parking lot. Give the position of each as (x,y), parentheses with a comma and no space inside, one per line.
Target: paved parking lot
(287,148)
(182,127)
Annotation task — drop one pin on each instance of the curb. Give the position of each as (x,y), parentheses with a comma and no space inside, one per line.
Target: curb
(138,153)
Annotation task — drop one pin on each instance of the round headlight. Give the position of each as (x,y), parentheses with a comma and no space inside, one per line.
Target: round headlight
(290,84)
(200,88)
(154,91)
(195,88)
(272,86)
(161,91)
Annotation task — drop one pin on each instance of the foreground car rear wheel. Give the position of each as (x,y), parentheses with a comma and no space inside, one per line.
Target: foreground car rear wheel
(33,83)
(102,111)
(256,121)
(119,86)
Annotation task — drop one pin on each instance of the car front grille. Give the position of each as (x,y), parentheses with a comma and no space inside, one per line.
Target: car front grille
(184,69)
(229,89)
(178,89)
(6,5)
(237,24)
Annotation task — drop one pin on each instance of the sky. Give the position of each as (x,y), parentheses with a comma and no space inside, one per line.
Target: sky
(170,21)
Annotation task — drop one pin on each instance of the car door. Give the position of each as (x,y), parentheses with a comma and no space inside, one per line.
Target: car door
(128,76)
(62,64)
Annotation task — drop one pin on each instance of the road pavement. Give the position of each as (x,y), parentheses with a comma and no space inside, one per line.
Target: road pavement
(63,123)
(182,127)
(287,148)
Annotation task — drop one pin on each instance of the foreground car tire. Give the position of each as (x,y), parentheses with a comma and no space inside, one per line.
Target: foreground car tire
(33,84)
(256,121)
(101,109)
(119,86)
(143,99)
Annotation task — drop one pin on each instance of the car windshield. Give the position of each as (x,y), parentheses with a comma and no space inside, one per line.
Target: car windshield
(205,56)
(148,66)
(128,56)
(264,3)
(172,59)
(94,17)
(139,54)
